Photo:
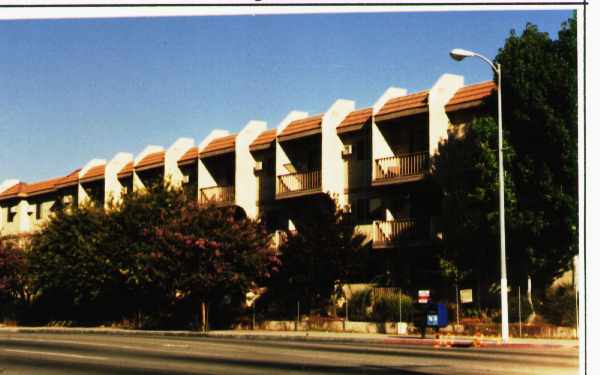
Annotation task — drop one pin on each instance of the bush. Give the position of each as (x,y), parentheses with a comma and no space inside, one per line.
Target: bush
(13,277)
(362,307)
(513,308)
(558,307)
(386,309)
(358,305)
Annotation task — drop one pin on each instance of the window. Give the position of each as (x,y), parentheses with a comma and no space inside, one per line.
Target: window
(38,210)
(361,209)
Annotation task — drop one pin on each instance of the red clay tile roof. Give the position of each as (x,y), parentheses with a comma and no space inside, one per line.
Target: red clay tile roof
(23,189)
(153,160)
(94,173)
(14,191)
(41,186)
(190,156)
(69,180)
(470,96)
(219,146)
(126,170)
(302,128)
(355,120)
(264,140)
(404,106)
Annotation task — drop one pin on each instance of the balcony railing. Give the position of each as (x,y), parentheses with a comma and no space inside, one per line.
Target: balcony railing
(401,166)
(298,183)
(390,233)
(217,195)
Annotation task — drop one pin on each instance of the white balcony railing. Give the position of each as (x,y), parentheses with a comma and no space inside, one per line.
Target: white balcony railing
(298,182)
(387,233)
(405,165)
(217,195)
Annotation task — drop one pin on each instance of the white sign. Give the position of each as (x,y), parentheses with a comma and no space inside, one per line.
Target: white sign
(423,296)
(466,295)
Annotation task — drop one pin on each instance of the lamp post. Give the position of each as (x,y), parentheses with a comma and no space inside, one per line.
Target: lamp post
(459,54)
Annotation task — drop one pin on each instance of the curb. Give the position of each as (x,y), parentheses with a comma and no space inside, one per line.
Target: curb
(462,342)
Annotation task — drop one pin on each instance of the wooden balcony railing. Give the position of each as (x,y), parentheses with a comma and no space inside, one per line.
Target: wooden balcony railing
(217,195)
(400,166)
(297,183)
(389,233)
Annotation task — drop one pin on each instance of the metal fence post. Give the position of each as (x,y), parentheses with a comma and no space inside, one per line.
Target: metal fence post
(520,329)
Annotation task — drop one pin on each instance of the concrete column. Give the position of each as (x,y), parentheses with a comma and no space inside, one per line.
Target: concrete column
(332,163)
(173,174)
(246,181)
(150,149)
(82,196)
(112,187)
(205,179)
(380,147)
(439,95)
(281,158)
(24,210)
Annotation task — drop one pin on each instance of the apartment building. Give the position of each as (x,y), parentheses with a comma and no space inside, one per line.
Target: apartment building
(371,160)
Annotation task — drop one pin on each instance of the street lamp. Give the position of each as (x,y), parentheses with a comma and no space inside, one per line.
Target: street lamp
(459,54)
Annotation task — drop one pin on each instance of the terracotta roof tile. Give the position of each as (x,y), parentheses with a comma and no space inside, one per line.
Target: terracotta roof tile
(155,159)
(219,146)
(404,106)
(303,127)
(14,191)
(69,180)
(264,140)
(355,120)
(42,186)
(126,170)
(190,155)
(470,96)
(94,173)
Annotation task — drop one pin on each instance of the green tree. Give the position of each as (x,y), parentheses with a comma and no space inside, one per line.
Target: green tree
(539,83)
(73,270)
(179,251)
(14,284)
(323,253)
(466,171)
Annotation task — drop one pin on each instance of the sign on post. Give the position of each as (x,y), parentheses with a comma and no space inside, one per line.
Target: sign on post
(466,295)
(423,296)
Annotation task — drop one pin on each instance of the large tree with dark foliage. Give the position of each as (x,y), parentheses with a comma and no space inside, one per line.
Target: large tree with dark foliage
(539,83)
(466,170)
(323,252)
(156,257)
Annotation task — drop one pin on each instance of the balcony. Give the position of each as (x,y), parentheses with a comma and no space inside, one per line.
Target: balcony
(219,195)
(401,232)
(401,168)
(298,184)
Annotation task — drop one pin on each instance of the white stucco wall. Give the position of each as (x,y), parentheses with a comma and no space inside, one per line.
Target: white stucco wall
(439,95)
(173,174)
(82,196)
(332,163)
(112,186)
(205,179)
(381,149)
(246,182)
(281,158)
(150,149)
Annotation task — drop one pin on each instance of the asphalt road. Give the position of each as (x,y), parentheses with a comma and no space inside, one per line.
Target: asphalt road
(105,354)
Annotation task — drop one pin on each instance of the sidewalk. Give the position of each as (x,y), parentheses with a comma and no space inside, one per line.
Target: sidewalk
(315,336)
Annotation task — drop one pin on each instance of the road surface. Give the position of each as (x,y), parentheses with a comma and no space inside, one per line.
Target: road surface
(106,354)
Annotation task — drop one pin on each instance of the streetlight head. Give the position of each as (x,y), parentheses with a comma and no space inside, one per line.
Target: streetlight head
(459,54)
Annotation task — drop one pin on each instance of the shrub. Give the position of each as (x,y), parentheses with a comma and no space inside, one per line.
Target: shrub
(358,305)
(387,309)
(558,307)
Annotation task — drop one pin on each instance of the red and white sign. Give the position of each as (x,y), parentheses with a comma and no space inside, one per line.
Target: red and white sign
(423,296)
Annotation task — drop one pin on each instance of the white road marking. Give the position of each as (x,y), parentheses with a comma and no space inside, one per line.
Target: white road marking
(56,354)
(175,346)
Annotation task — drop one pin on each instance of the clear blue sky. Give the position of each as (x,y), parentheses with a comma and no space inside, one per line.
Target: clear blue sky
(73,90)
